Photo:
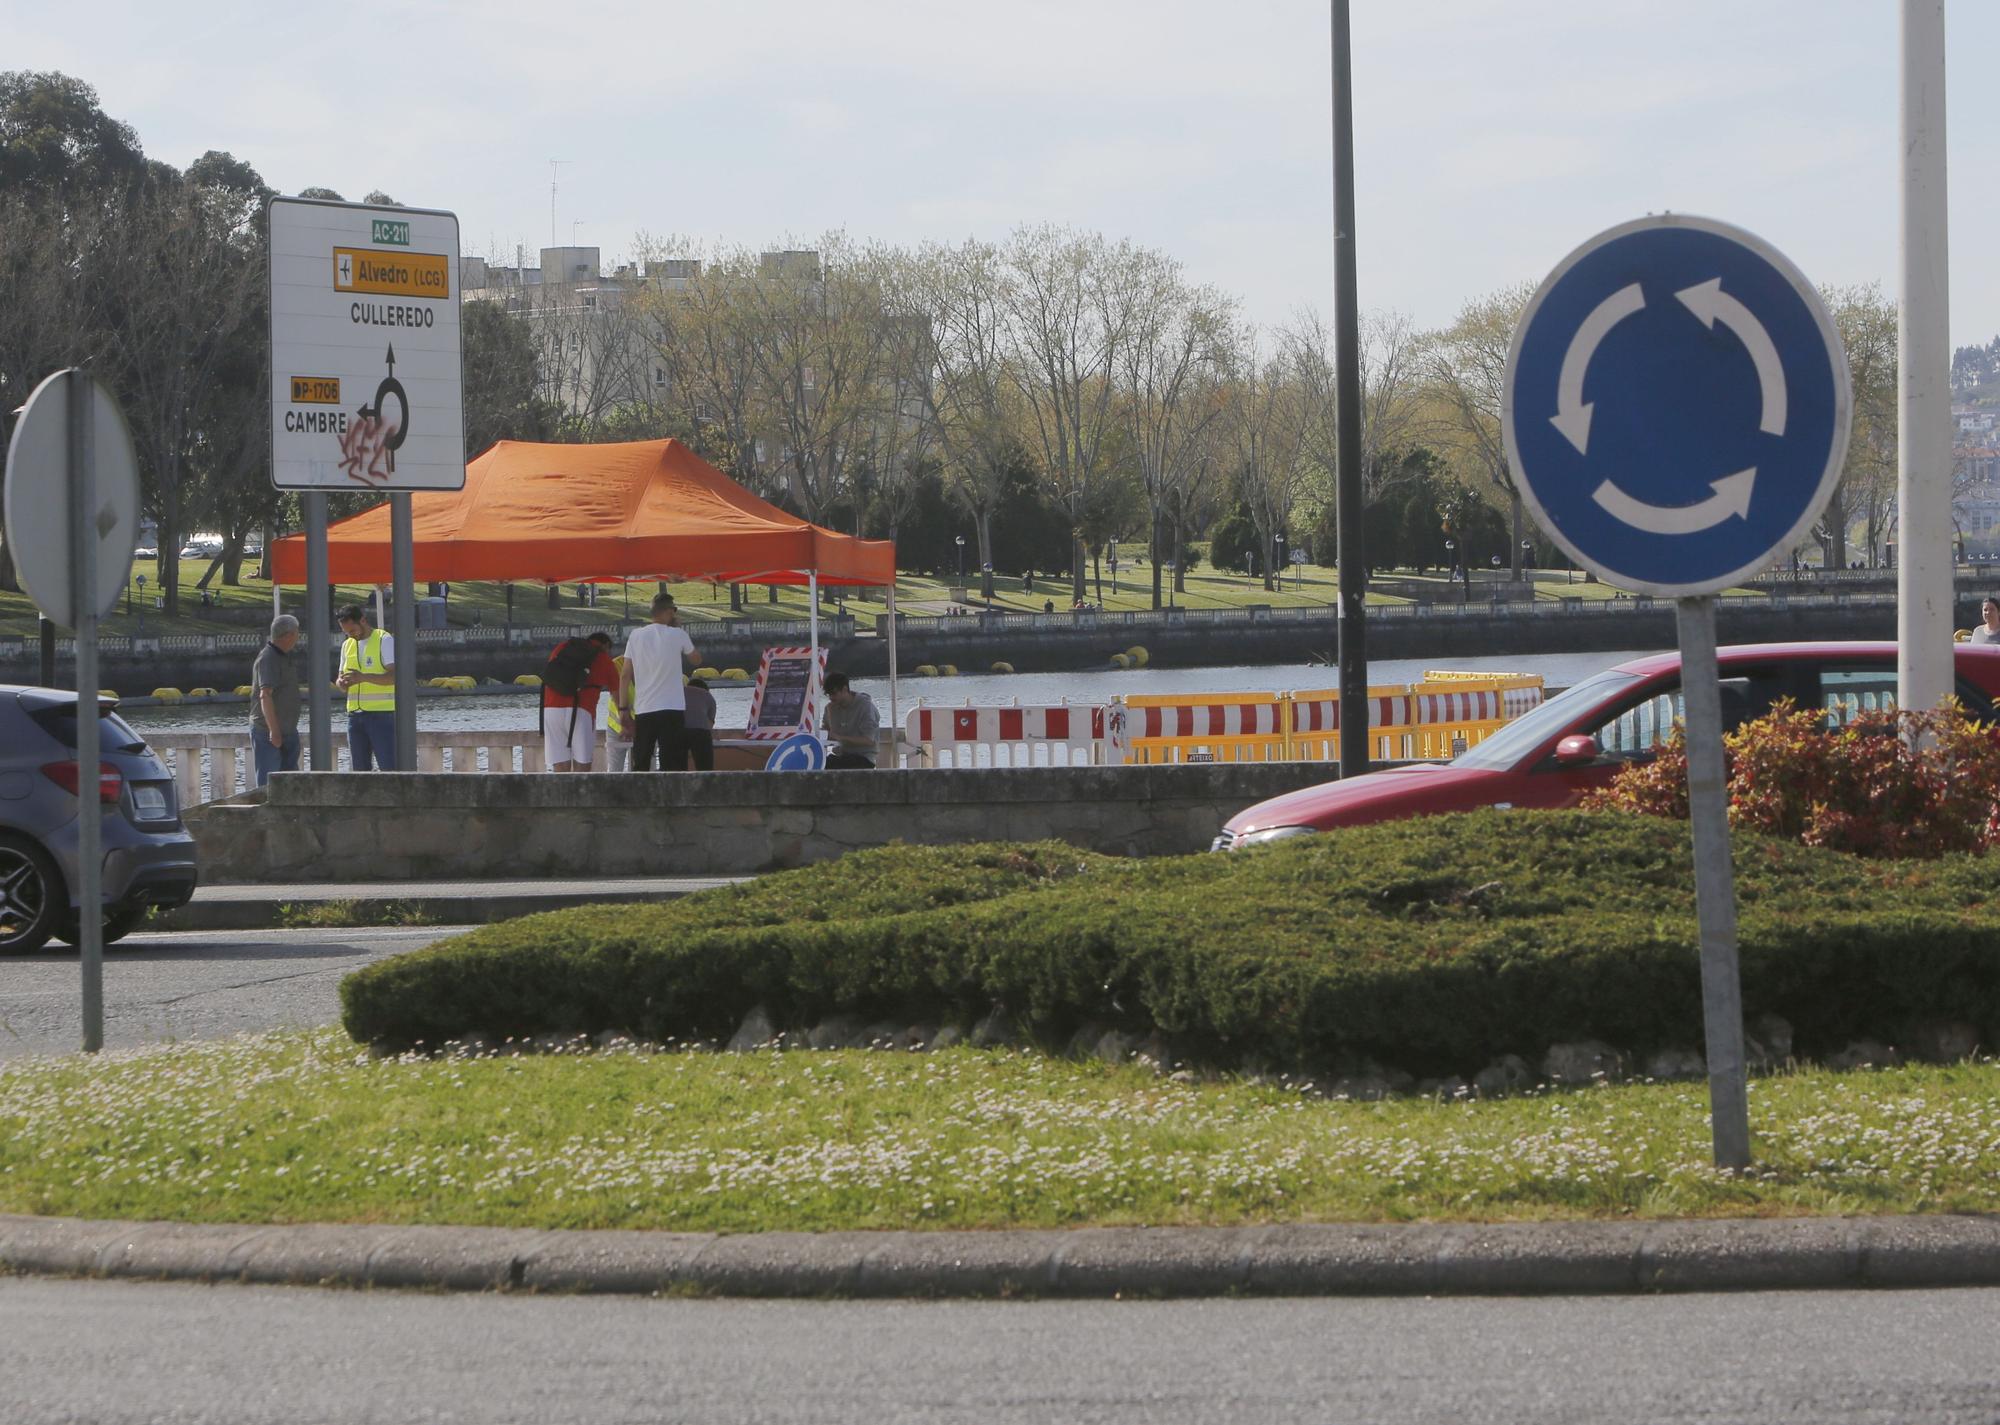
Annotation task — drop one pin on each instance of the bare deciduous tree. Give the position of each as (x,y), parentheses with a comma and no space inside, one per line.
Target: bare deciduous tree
(1071,300)
(1171,369)
(1466,369)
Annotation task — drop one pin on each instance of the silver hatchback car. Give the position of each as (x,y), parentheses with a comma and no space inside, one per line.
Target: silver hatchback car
(148,854)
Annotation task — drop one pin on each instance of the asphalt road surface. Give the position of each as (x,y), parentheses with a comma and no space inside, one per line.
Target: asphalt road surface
(192,985)
(116,1352)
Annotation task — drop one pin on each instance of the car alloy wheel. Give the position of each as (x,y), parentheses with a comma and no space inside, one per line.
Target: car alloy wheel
(31,897)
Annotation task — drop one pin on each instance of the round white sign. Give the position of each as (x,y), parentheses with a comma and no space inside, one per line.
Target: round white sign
(36,504)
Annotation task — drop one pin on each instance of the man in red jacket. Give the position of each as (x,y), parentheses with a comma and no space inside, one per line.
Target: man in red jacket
(584,670)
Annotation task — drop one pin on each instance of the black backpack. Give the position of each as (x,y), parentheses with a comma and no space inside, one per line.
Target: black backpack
(569,666)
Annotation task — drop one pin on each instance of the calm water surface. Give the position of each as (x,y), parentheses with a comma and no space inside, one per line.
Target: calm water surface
(511,711)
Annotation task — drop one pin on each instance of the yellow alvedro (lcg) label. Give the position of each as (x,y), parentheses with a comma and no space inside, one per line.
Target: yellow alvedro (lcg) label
(316,390)
(391,274)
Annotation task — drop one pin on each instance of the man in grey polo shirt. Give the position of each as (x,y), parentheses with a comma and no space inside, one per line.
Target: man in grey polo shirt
(274,701)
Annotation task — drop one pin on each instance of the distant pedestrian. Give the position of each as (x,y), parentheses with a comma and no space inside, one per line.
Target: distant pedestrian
(852,724)
(700,730)
(274,701)
(1048,606)
(578,674)
(652,688)
(1989,622)
(368,673)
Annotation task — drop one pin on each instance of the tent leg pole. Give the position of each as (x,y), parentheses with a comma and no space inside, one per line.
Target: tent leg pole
(895,718)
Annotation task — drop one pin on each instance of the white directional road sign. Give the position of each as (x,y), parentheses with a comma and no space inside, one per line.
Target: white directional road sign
(1676,405)
(365,363)
(37,501)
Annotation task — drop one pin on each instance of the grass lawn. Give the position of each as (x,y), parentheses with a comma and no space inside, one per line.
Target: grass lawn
(301,1126)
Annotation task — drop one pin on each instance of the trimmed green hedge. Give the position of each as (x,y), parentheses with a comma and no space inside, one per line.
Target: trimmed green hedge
(1433,944)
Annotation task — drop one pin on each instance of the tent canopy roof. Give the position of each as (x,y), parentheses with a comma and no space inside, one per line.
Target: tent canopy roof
(563,513)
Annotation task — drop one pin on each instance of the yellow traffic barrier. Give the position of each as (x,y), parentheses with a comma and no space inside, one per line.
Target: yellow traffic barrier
(1436,718)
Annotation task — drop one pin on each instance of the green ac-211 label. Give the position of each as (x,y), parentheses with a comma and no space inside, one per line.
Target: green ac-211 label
(386,230)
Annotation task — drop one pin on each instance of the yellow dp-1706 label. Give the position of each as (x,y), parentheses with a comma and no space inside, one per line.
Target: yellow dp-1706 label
(316,390)
(391,274)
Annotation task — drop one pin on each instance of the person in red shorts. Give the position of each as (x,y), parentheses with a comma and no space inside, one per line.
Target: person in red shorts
(579,673)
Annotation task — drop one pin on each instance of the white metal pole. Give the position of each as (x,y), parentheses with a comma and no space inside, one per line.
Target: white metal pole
(1924,574)
(812,615)
(895,718)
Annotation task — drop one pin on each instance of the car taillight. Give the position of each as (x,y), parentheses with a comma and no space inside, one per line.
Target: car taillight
(65,775)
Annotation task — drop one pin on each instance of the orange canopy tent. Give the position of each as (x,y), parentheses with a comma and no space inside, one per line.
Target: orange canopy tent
(636,510)
(567,513)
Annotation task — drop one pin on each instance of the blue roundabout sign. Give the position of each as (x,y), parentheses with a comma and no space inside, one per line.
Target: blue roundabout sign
(1676,405)
(801,752)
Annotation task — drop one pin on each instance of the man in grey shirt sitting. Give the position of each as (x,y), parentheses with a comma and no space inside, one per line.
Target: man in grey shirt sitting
(274,701)
(852,724)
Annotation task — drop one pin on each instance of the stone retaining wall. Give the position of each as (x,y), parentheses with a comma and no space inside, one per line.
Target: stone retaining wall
(412,825)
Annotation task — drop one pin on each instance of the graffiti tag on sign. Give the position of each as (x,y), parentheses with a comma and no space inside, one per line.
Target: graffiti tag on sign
(365,451)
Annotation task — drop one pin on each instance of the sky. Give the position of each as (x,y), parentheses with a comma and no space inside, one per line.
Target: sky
(1492,136)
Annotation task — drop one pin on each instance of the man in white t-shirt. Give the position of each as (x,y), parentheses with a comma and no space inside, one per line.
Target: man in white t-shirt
(652,690)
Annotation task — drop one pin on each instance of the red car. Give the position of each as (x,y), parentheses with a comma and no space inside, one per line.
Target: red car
(1576,742)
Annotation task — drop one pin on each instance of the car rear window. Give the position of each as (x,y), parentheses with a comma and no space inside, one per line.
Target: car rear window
(114,734)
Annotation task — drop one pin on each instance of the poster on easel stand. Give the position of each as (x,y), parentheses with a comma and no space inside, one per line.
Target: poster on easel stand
(787,693)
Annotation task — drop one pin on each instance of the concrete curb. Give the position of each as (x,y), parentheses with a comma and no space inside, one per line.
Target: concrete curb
(1289,1260)
(417,903)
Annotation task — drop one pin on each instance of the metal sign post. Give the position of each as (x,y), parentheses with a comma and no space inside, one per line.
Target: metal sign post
(1676,408)
(319,636)
(1715,885)
(72,515)
(402,567)
(89,810)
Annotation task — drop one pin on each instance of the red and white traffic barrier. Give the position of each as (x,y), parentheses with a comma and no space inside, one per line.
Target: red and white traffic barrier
(1057,735)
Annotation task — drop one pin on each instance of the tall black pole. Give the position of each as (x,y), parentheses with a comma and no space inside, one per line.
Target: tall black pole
(1347,410)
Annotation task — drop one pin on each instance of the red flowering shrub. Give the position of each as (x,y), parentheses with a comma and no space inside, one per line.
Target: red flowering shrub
(1887,784)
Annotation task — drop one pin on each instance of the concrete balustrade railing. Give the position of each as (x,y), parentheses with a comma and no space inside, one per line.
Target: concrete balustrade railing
(209,766)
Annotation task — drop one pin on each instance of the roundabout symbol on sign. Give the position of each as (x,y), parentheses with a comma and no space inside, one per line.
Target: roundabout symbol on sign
(1676,405)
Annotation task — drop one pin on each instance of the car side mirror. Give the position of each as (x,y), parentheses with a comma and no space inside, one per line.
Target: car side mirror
(1576,750)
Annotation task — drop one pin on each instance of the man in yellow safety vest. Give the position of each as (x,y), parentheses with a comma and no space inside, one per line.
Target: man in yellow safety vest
(368,673)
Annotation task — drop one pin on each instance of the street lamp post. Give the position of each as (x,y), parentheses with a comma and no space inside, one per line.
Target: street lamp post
(1465,586)
(959,540)
(142,605)
(1280,581)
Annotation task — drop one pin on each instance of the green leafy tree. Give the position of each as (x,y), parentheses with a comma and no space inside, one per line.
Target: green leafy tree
(503,398)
